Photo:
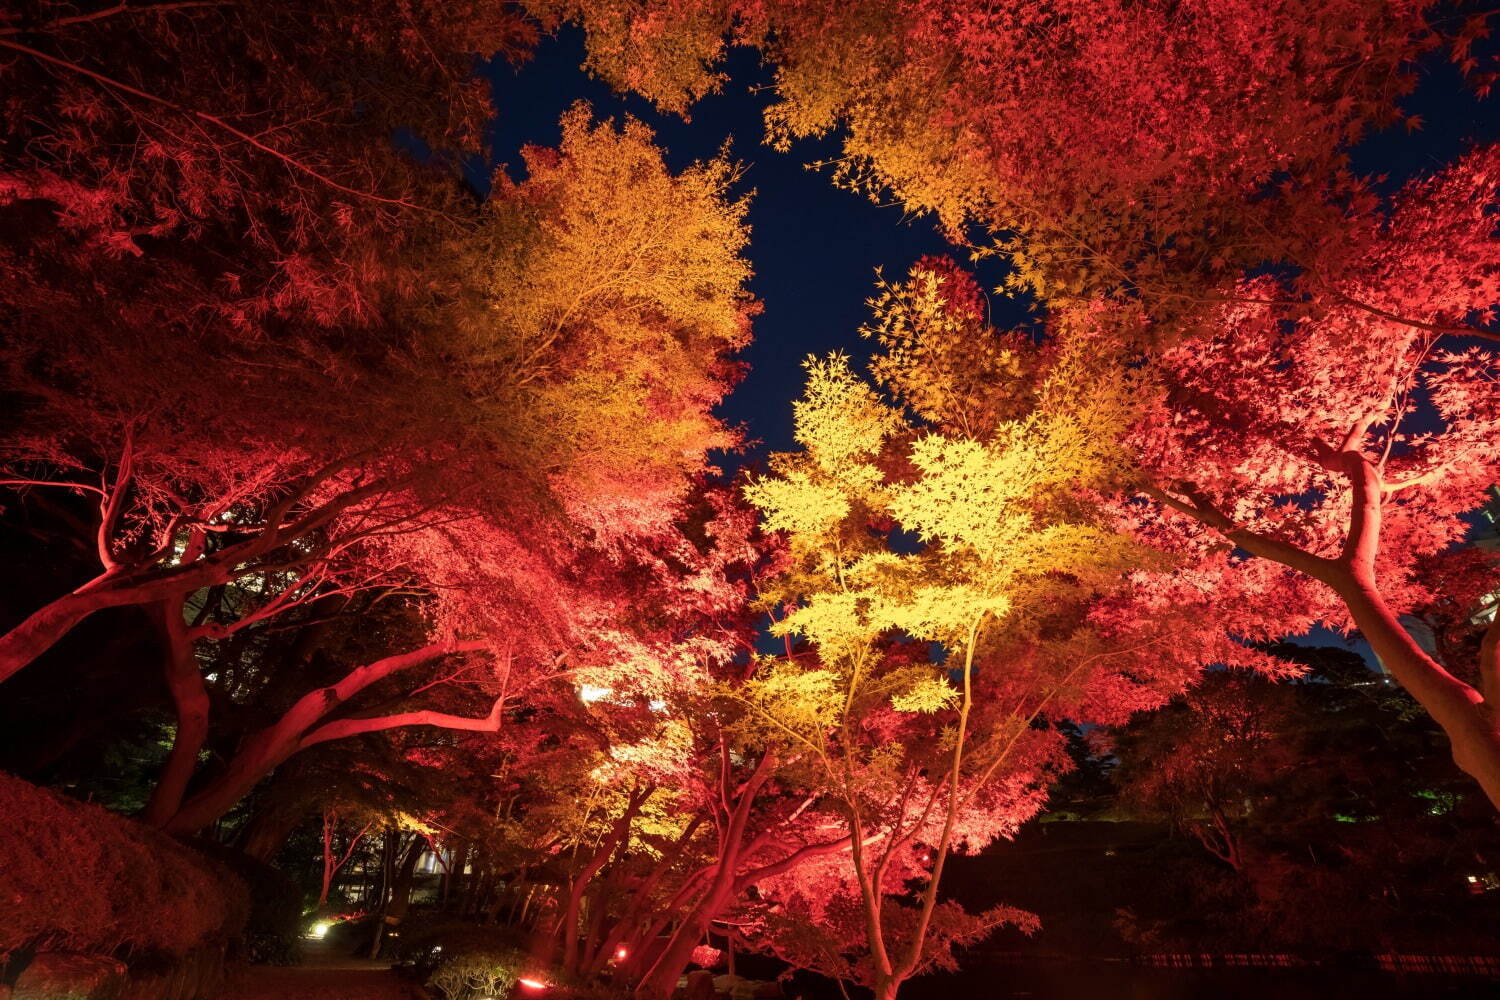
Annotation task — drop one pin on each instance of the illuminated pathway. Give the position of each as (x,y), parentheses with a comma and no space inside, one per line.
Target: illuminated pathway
(321,976)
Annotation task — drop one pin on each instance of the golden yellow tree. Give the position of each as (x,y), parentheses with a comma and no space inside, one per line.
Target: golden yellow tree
(968,539)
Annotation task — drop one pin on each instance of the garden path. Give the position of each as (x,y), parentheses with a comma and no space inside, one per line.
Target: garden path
(321,975)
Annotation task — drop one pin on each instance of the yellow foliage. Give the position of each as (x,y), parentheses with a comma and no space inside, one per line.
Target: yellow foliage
(928,695)
(946,363)
(602,303)
(840,420)
(999,507)
(789,701)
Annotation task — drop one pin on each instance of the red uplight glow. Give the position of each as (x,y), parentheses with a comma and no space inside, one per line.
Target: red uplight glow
(532,984)
(620,953)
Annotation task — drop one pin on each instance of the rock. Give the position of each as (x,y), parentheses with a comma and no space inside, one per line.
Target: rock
(64,976)
(740,988)
(700,985)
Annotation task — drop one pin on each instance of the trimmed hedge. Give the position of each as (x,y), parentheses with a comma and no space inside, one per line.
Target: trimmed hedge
(76,877)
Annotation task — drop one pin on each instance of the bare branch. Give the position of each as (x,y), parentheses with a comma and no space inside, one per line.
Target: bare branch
(119,8)
(340,728)
(217,122)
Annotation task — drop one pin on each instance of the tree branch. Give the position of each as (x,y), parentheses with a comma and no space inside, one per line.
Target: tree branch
(340,728)
(119,8)
(1200,509)
(217,122)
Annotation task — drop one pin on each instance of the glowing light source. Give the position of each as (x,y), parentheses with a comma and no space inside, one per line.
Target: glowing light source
(319,930)
(590,693)
(532,984)
(621,952)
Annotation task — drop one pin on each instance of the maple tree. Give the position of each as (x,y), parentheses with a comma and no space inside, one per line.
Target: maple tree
(470,412)
(1142,150)
(1168,192)
(1207,760)
(1327,797)
(661,808)
(1343,446)
(1007,567)
(389,496)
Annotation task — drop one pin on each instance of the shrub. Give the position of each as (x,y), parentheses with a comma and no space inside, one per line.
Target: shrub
(485,972)
(76,877)
(353,935)
(275,919)
(426,937)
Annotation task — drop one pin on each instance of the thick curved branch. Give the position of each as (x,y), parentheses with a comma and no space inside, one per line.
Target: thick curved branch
(340,728)
(1489,662)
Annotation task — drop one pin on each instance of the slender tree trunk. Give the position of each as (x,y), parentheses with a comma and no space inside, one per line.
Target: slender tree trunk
(399,898)
(329,824)
(661,979)
(629,924)
(455,896)
(516,895)
(568,924)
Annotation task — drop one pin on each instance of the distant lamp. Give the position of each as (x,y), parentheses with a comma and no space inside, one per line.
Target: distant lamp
(590,693)
(620,953)
(319,930)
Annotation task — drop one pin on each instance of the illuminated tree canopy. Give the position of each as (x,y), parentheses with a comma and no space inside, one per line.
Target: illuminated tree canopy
(378,511)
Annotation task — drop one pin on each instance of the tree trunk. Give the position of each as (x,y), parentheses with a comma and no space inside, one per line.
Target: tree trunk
(568,924)
(258,758)
(278,808)
(185,682)
(661,980)
(1471,725)
(394,910)
(299,728)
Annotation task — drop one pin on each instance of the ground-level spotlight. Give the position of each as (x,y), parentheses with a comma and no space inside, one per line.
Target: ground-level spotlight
(532,984)
(319,930)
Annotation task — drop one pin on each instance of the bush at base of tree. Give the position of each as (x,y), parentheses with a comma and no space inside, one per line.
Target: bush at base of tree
(469,967)
(274,921)
(94,882)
